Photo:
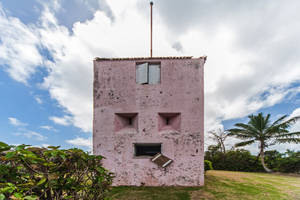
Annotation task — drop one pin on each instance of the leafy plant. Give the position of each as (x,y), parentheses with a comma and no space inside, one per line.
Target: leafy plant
(29,173)
(208,165)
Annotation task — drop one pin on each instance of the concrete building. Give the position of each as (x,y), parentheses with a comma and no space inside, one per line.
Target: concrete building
(146,106)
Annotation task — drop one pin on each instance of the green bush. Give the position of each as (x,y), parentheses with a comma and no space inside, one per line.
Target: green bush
(242,160)
(207,165)
(238,160)
(51,173)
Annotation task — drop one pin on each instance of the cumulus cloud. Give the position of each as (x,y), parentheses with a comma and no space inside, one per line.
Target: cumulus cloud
(81,142)
(16,122)
(252,51)
(19,48)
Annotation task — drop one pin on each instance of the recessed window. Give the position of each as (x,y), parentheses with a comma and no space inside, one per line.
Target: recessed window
(169,121)
(126,121)
(146,149)
(148,73)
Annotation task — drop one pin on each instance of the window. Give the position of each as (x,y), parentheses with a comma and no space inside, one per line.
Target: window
(169,121)
(126,121)
(147,149)
(148,73)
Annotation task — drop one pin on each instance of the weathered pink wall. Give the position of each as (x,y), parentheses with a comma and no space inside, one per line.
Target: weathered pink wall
(180,91)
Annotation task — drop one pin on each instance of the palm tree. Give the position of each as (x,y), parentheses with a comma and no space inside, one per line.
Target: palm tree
(260,129)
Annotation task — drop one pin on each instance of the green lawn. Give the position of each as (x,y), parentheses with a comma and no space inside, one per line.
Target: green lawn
(221,185)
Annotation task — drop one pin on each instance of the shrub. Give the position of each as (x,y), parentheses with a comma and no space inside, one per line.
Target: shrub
(290,162)
(242,160)
(51,173)
(207,165)
(238,160)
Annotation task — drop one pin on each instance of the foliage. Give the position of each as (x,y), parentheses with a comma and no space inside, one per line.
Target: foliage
(208,165)
(260,129)
(242,160)
(238,160)
(30,173)
(288,162)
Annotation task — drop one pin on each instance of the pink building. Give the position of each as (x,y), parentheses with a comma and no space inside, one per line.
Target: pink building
(147,107)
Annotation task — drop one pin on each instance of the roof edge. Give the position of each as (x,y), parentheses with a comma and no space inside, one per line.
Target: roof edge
(148,58)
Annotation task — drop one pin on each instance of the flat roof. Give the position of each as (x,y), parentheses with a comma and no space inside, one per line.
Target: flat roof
(148,58)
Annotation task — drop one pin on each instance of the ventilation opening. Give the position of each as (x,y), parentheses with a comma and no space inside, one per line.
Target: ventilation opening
(126,121)
(169,121)
(147,149)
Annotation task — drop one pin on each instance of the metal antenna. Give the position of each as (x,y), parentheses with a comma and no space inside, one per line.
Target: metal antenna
(151,5)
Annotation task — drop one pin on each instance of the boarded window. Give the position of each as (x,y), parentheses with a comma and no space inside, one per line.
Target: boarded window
(147,149)
(148,73)
(161,160)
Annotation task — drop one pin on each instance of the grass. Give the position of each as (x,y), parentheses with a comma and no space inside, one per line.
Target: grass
(220,185)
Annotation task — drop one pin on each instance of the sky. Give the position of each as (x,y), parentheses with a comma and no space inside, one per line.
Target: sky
(47,48)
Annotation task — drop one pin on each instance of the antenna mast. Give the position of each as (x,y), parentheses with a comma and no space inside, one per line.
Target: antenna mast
(151,5)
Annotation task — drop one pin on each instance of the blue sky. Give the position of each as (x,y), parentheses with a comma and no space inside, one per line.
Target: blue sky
(47,48)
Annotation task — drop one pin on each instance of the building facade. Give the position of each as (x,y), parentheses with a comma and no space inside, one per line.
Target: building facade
(144,107)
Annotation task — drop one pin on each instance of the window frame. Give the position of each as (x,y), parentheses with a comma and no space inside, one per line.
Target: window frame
(145,144)
(148,72)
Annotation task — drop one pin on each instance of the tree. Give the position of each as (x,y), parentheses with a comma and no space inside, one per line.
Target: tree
(219,136)
(260,129)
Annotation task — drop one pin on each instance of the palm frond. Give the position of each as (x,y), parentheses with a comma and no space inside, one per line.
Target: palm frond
(241,144)
(291,121)
(279,120)
(250,129)
(288,134)
(288,140)
(239,133)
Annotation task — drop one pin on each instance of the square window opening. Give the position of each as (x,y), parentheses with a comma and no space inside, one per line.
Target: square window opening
(125,121)
(148,73)
(146,149)
(169,121)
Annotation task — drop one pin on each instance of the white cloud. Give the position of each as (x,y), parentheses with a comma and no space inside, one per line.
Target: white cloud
(35,135)
(38,100)
(81,142)
(16,122)
(65,120)
(49,128)
(32,135)
(19,54)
